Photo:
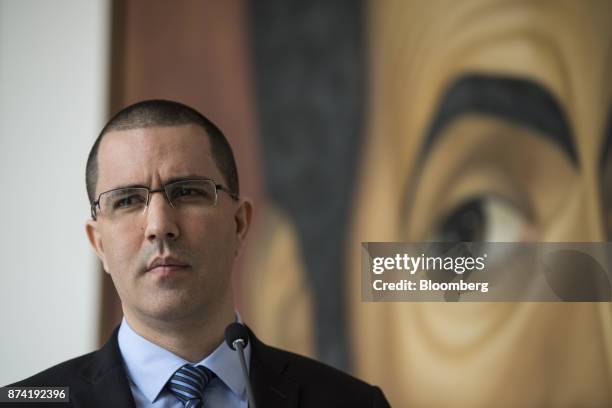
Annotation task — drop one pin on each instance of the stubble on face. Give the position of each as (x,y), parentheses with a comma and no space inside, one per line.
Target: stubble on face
(203,241)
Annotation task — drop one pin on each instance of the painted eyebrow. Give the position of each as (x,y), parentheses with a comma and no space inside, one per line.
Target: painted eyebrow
(517,100)
(607,146)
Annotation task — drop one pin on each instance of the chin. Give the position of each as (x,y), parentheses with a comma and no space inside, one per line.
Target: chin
(172,308)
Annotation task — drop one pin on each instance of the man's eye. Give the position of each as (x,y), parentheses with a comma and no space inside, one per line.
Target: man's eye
(128,202)
(189,193)
(483,219)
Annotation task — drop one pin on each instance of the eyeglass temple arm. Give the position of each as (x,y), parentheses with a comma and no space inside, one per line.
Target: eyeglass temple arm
(221,187)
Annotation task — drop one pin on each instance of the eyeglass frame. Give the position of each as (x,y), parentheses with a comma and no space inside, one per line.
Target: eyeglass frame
(218,187)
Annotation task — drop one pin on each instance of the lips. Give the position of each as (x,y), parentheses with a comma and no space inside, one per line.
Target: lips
(166,264)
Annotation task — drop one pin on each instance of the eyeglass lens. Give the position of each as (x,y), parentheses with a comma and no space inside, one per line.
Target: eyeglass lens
(125,201)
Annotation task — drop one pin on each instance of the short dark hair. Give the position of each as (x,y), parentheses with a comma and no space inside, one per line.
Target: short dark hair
(159,112)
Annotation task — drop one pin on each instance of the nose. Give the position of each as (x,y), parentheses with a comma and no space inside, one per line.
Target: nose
(160,219)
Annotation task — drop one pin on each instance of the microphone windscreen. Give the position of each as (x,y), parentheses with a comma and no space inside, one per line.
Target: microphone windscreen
(235,331)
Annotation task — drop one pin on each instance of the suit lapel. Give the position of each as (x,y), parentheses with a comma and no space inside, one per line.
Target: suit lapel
(272,389)
(105,380)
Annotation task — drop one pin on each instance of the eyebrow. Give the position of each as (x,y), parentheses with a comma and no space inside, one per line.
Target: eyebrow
(171,180)
(517,100)
(607,146)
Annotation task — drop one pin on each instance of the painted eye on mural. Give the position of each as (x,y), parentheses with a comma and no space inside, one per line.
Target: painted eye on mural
(487,218)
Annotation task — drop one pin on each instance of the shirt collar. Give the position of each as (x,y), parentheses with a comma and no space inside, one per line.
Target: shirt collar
(150,366)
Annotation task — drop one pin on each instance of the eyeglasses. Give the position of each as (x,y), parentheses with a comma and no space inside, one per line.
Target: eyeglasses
(126,201)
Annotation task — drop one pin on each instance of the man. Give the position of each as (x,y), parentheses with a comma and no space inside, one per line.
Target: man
(167,224)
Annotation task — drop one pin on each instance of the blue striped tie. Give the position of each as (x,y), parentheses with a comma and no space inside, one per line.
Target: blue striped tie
(188,383)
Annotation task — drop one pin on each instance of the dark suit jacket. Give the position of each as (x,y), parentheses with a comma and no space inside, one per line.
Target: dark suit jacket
(279,379)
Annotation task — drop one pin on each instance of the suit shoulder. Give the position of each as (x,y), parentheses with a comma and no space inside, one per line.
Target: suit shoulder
(301,366)
(59,375)
(320,379)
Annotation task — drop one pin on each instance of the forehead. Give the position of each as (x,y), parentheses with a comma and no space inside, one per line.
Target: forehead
(150,156)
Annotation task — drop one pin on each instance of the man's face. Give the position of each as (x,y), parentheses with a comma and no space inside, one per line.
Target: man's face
(205,240)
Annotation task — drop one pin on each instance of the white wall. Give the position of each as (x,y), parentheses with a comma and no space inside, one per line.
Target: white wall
(53,82)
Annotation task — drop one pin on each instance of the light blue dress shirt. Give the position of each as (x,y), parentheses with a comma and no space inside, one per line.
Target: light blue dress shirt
(149,367)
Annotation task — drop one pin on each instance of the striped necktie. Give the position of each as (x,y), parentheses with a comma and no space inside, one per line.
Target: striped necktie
(188,383)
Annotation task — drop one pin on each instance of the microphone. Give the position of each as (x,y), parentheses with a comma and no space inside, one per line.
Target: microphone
(237,338)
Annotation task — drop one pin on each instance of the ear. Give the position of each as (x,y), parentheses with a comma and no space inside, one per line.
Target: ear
(243,216)
(93,234)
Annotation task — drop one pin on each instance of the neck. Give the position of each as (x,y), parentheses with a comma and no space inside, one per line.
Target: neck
(191,338)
